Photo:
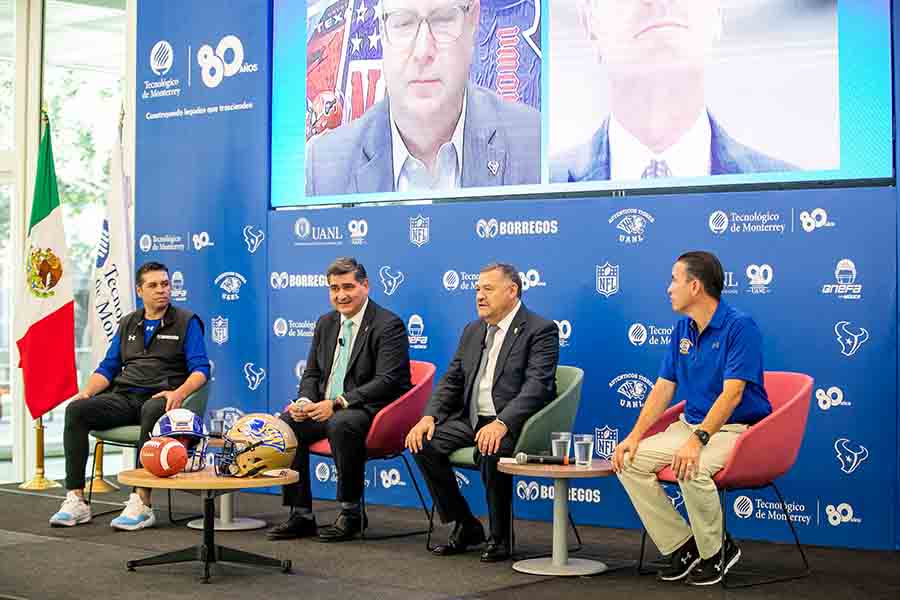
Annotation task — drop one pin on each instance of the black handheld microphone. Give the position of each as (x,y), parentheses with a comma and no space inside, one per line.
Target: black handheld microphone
(536,459)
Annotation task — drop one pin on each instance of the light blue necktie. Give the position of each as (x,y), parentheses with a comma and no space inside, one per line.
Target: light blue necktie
(482,367)
(340,363)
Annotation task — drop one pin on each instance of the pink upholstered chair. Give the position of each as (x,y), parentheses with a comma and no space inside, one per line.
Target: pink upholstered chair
(761,455)
(389,428)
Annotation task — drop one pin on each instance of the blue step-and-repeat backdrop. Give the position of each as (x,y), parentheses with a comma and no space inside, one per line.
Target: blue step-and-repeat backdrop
(817,269)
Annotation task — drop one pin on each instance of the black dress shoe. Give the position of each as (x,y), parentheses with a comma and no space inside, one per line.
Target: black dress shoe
(465,534)
(495,552)
(345,527)
(296,526)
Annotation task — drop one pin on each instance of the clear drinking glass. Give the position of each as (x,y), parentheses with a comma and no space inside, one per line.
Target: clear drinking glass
(584,448)
(560,442)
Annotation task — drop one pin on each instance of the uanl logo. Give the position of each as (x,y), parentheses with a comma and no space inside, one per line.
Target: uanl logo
(415,329)
(227,60)
(607,279)
(766,510)
(840,514)
(162,58)
(631,224)
(632,389)
(845,286)
(565,332)
(730,284)
(849,337)
(606,439)
(179,294)
(419,230)
(308,234)
(491,228)
(760,278)
(282,280)
(230,283)
(282,327)
(358,229)
(640,334)
(814,219)
(757,221)
(219,330)
(531,279)
(253,238)
(850,455)
(531,491)
(830,398)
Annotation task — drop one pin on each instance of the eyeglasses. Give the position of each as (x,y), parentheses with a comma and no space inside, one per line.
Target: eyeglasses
(401,27)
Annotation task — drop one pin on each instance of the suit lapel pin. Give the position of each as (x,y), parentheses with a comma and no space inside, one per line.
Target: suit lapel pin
(516,331)
(494,167)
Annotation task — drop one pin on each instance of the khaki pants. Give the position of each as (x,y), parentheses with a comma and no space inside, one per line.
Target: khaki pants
(701,498)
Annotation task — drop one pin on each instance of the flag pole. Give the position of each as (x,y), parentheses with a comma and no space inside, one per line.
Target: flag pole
(39,482)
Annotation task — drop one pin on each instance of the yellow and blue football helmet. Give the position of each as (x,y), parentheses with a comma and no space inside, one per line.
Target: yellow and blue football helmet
(256,443)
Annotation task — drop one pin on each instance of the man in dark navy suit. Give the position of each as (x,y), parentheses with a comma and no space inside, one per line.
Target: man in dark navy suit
(358,364)
(655,53)
(504,371)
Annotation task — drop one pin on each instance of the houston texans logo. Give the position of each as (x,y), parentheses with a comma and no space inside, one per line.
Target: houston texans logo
(253,239)
(850,341)
(850,459)
(254,376)
(390,281)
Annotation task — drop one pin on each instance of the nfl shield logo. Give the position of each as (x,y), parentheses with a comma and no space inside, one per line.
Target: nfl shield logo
(606,440)
(219,330)
(418,230)
(607,279)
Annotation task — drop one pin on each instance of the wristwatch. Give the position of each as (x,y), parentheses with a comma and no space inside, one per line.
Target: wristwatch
(702,435)
(339,403)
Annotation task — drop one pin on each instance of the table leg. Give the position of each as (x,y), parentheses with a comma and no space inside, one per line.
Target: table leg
(227,521)
(560,563)
(208,552)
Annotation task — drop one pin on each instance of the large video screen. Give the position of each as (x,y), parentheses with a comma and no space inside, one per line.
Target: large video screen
(383,100)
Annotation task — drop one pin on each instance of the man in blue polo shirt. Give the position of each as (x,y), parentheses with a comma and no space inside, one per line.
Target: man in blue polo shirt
(714,362)
(155,361)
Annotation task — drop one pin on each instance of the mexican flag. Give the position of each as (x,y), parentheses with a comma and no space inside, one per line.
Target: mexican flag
(45,319)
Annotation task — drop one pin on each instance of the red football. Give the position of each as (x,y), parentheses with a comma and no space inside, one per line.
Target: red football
(163,456)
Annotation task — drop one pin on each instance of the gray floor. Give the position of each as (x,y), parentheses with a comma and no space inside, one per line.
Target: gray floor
(37,561)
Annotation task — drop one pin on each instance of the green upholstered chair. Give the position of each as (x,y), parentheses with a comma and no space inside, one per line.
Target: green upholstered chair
(559,415)
(127,436)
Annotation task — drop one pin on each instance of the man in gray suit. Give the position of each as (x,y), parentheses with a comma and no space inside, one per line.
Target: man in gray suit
(434,130)
(655,55)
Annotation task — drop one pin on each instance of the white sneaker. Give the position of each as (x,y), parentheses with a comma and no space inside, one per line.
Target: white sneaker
(136,515)
(74,511)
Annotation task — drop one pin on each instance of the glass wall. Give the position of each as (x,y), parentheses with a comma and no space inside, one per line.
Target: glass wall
(84,66)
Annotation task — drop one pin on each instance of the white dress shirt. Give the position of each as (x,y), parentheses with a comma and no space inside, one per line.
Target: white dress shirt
(485,386)
(410,173)
(688,157)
